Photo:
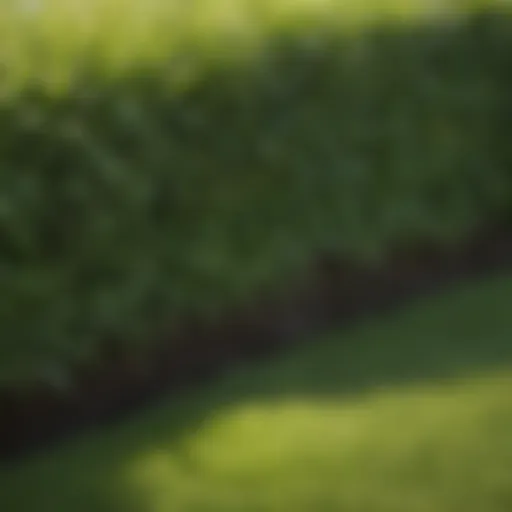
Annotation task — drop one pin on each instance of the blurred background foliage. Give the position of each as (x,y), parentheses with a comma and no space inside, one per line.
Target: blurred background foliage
(163,158)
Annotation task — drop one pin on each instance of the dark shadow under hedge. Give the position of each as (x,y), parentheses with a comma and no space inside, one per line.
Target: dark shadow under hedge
(333,293)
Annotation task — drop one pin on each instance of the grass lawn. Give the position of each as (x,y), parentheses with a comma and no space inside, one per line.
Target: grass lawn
(408,413)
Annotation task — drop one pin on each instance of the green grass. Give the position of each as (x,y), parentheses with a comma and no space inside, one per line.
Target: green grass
(408,413)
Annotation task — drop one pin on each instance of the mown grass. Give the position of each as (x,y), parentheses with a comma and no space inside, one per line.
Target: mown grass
(409,413)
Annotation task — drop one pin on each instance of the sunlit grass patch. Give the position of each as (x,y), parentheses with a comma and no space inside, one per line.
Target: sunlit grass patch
(443,447)
(411,413)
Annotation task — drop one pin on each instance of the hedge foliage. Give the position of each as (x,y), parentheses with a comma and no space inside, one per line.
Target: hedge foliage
(147,173)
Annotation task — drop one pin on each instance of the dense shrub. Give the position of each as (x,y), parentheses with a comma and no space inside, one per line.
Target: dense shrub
(201,169)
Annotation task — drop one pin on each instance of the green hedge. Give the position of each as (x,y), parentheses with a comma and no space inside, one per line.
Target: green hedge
(186,180)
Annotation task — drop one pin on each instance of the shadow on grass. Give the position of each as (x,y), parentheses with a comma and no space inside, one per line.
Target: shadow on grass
(197,451)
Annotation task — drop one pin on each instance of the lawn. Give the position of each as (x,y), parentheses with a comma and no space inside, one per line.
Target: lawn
(407,413)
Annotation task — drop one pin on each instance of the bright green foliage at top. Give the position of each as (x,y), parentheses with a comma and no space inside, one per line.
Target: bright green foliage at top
(164,160)
(52,40)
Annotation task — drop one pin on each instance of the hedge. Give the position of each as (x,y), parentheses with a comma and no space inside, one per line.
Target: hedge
(150,173)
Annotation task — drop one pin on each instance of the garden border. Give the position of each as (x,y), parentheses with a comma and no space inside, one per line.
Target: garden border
(332,293)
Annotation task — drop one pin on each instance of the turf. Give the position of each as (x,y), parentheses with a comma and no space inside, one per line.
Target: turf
(411,412)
